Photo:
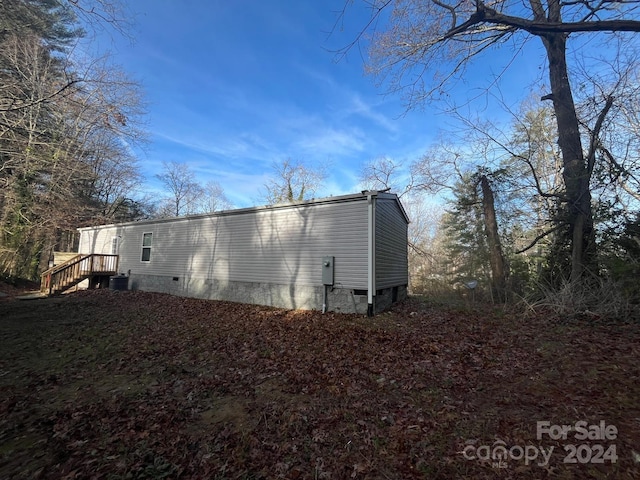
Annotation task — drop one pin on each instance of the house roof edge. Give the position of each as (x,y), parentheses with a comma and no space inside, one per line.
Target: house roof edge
(238,211)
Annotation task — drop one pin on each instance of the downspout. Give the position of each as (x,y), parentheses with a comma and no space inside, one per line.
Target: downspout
(324,300)
(371,248)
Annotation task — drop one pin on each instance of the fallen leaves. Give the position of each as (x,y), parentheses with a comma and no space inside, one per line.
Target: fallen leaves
(141,385)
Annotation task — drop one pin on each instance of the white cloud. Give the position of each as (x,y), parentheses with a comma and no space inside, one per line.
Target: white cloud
(328,141)
(369,112)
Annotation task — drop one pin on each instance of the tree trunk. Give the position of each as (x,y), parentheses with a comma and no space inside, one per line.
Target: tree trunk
(575,173)
(496,258)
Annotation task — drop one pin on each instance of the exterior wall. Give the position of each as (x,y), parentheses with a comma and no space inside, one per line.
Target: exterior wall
(268,255)
(97,240)
(388,296)
(282,245)
(304,297)
(391,261)
(61,257)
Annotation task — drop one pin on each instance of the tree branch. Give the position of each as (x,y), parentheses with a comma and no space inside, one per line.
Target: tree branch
(539,26)
(536,27)
(594,141)
(342,52)
(420,251)
(41,100)
(542,193)
(540,237)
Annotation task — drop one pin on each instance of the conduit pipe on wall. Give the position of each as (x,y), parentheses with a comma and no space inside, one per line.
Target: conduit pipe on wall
(324,300)
(371,246)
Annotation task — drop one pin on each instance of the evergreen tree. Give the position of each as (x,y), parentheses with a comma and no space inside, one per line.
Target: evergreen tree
(466,244)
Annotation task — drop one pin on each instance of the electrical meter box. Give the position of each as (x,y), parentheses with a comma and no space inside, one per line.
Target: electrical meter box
(327,270)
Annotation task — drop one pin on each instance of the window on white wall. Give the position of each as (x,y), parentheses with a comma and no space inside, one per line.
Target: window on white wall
(146,247)
(114,246)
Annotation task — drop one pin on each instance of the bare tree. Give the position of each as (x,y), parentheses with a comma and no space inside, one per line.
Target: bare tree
(183,191)
(102,14)
(293,182)
(441,37)
(614,141)
(213,198)
(385,173)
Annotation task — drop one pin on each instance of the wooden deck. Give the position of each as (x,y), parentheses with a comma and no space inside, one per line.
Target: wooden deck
(78,268)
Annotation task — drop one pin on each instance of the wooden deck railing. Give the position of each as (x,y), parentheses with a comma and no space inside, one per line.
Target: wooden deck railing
(76,269)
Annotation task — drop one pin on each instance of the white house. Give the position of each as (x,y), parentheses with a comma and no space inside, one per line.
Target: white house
(346,253)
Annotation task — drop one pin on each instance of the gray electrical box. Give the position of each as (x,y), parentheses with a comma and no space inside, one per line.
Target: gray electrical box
(327,270)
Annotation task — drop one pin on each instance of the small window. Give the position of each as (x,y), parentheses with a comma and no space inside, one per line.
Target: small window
(146,247)
(114,246)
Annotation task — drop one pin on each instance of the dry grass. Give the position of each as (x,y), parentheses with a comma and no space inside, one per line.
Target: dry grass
(598,298)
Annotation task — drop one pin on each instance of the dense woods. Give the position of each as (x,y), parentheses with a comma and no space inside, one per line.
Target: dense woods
(502,224)
(68,123)
(563,175)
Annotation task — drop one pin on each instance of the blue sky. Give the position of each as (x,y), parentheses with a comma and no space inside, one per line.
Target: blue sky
(233,86)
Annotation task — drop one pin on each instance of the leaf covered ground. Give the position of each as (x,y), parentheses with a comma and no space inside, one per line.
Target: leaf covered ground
(132,385)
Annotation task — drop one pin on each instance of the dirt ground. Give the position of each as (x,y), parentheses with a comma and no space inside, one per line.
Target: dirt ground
(132,385)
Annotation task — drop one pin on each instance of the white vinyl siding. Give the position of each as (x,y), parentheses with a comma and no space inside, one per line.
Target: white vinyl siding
(97,240)
(282,245)
(273,245)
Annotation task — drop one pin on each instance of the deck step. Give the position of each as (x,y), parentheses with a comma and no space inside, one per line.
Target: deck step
(78,268)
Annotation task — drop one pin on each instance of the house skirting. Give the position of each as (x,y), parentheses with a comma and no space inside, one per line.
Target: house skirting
(304,297)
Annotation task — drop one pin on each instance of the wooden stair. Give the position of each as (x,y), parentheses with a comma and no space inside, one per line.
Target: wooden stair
(93,266)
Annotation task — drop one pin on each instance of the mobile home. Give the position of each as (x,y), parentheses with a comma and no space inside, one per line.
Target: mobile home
(345,253)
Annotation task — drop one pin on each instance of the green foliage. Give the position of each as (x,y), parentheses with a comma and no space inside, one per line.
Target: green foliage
(50,20)
(620,258)
(522,266)
(534,218)
(556,250)
(467,254)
